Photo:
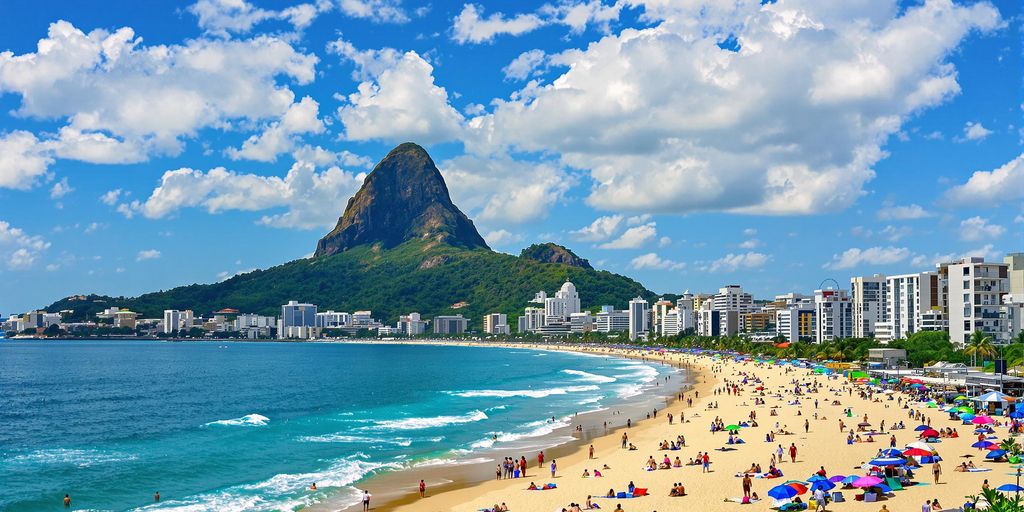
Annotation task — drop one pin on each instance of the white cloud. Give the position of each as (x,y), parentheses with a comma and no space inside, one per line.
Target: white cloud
(402,103)
(664,241)
(22,160)
(753,243)
(901,212)
(633,238)
(990,188)
(147,254)
(974,131)
(280,136)
(601,229)
(220,17)
(854,257)
(749,232)
(977,228)
(380,11)
(525,65)
(19,250)
(732,262)
(653,261)
(369,63)
(323,158)
(652,113)
(111,197)
(471,27)
(124,101)
(61,189)
(895,233)
(499,190)
(310,199)
(501,237)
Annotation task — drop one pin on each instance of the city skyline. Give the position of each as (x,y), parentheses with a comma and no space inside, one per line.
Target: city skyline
(143,149)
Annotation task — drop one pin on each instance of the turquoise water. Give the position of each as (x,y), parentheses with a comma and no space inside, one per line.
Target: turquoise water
(249,426)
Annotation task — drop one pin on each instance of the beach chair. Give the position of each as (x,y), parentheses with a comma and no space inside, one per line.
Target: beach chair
(637,492)
(870,496)
(838,497)
(894,484)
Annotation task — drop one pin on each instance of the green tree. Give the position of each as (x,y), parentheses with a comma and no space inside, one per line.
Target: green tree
(980,344)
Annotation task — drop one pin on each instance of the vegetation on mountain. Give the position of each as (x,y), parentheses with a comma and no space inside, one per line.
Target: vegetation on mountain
(553,253)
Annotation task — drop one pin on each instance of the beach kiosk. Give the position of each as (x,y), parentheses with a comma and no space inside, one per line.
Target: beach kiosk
(993,402)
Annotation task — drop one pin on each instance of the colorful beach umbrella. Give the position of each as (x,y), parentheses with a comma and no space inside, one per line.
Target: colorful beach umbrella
(850,479)
(732,427)
(1010,488)
(964,408)
(921,428)
(892,452)
(815,477)
(867,481)
(984,444)
(983,420)
(966,416)
(837,478)
(917,452)
(798,486)
(1016,415)
(782,492)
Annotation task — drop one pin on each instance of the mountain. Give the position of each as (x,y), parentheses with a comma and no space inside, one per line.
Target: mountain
(404,198)
(553,253)
(401,246)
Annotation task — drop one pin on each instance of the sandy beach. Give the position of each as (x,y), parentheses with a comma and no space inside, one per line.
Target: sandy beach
(823,445)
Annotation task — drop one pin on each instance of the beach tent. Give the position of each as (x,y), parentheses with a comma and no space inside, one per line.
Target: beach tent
(991,396)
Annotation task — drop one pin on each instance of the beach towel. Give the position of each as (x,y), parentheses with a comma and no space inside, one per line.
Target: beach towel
(740,501)
(637,492)
(978,470)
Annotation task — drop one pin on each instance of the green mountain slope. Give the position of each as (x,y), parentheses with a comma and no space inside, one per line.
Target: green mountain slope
(417,275)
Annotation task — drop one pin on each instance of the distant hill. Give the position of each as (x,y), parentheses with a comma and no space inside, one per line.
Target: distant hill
(400,246)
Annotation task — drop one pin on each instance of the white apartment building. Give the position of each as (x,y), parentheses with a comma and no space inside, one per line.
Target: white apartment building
(496,323)
(333,319)
(911,299)
(611,320)
(532,319)
(658,312)
(580,323)
(731,302)
(975,290)
(869,303)
(796,321)
(362,319)
(685,312)
(834,314)
(565,302)
(411,324)
(708,319)
(175,320)
(639,317)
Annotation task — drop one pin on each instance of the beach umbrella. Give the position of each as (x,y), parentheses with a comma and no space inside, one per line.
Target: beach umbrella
(798,486)
(782,492)
(888,461)
(930,433)
(1016,415)
(824,485)
(732,427)
(964,408)
(928,459)
(995,454)
(867,481)
(921,428)
(932,405)
(1010,488)
(892,452)
(815,477)
(966,416)
(837,478)
(983,444)
(850,479)
(922,445)
(983,420)
(884,488)
(961,397)
(917,452)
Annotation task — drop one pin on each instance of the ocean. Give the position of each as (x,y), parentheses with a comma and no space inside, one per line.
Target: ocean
(250,426)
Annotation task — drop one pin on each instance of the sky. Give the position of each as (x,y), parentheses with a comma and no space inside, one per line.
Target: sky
(686,144)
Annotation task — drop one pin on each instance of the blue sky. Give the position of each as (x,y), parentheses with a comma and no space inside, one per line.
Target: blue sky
(686,144)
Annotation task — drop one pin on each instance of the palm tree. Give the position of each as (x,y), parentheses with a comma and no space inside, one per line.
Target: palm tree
(980,344)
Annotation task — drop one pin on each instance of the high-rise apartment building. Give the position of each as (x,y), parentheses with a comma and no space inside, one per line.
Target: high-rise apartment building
(869,304)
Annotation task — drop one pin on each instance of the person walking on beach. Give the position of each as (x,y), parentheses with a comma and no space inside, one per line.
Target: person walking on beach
(807,426)
(746,485)
(540,460)
(625,440)
(779,452)
(706,468)
(423,489)
(936,471)
(366,500)
(553,468)
(591,451)
(67,501)
(792,451)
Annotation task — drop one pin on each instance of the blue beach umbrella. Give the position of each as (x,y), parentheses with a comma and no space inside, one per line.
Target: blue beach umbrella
(824,485)
(782,492)
(983,444)
(850,479)
(1010,488)
(815,477)
(966,416)
(1017,415)
(888,461)
(921,428)
(892,452)
(995,454)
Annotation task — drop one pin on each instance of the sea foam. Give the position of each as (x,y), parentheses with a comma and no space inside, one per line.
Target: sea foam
(525,393)
(423,423)
(590,377)
(249,420)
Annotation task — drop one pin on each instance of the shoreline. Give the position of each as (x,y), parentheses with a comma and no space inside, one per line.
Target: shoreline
(451,480)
